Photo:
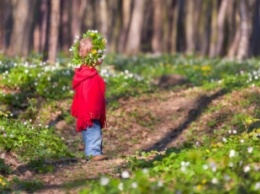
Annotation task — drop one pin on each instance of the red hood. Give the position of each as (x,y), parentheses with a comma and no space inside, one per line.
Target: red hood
(82,73)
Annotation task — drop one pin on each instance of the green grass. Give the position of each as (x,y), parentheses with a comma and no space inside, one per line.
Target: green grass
(220,162)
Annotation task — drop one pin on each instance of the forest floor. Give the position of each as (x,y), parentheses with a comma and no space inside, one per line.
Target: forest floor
(148,122)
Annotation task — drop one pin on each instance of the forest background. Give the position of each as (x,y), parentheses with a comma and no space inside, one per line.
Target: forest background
(228,28)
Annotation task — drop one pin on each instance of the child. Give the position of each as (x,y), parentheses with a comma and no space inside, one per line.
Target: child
(88,104)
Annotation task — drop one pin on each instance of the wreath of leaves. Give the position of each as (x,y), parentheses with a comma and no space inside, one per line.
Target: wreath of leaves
(97,53)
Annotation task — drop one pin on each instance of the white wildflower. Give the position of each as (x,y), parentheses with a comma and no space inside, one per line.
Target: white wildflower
(257,186)
(232,153)
(125,174)
(205,166)
(134,185)
(231,164)
(234,131)
(242,141)
(145,171)
(224,139)
(246,169)
(250,149)
(121,186)
(160,183)
(214,181)
(104,181)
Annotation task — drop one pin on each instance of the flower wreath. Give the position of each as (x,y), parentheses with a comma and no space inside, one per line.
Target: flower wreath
(97,54)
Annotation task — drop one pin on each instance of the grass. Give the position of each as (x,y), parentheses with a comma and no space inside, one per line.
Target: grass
(220,150)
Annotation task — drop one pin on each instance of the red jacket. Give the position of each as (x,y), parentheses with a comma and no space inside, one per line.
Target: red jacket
(89,99)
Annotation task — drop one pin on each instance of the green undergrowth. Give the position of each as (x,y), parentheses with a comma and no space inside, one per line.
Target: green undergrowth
(30,141)
(211,161)
(227,166)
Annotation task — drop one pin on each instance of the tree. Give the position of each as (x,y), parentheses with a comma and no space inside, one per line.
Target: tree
(255,41)
(54,30)
(244,30)
(21,38)
(126,15)
(134,36)
(157,26)
(220,26)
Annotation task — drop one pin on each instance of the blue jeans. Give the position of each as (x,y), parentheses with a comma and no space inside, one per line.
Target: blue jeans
(92,138)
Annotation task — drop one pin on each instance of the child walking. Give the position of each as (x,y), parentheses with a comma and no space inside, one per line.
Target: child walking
(88,105)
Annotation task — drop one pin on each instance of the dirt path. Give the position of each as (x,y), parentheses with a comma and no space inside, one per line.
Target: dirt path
(149,122)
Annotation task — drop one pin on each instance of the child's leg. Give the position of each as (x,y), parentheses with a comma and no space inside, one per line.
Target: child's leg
(92,138)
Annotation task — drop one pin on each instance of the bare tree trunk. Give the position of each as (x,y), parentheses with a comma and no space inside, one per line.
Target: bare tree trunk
(244,28)
(54,31)
(45,27)
(213,36)
(157,26)
(21,37)
(206,23)
(190,30)
(134,36)
(66,37)
(103,17)
(220,23)
(2,6)
(255,41)
(115,20)
(172,15)
(180,37)
(232,50)
(126,17)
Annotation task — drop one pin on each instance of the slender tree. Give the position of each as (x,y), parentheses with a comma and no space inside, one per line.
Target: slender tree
(157,26)
(180,37)
(190,26)
(172,20)
(54,31)
(126,15)
(255,40)
(220,25)
(134,36)
(21,38)
(213,35)
(244,29)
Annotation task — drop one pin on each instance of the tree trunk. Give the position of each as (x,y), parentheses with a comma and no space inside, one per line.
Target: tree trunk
(244,28)
(220,23)
(180,37)
(103,18)
(157,26)
(190,30)
(54,31)
(255,40)
(21,37)
(126,16)
(134,36)
(213,36)
(115,20)
(171,41)
(66,37)
(147,28)
(2,19)
(204,28)
(45,27)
